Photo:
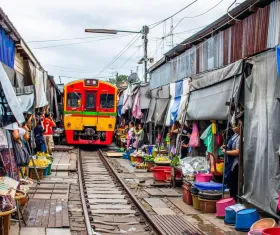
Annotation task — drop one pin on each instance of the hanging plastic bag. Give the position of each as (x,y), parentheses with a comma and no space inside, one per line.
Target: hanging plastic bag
(220,139)
(194,139)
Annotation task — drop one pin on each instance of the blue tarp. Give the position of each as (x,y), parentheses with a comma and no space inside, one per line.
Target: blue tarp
(7,49)
(278,59)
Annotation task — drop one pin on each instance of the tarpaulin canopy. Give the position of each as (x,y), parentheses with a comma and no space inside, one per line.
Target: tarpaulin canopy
(7,49)
(178,92)
(10,106)
(144,95)
(162,102)
(39,82)
(210,92)
(120,104)
(262,133)
(129,94)
(25,97)
(152,105)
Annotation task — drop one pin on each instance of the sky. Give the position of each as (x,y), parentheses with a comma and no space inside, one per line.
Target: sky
(91,54)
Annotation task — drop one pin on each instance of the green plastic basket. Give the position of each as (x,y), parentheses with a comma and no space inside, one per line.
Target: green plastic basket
(49,169)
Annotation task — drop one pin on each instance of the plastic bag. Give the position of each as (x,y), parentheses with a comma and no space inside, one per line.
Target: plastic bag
(194,139)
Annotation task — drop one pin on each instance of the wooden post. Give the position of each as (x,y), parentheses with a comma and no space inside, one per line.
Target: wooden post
(240,167)
(151,133)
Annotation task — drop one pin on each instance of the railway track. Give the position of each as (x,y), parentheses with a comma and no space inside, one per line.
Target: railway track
(109,206)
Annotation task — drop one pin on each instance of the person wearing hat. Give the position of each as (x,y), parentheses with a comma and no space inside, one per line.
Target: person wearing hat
(232,151)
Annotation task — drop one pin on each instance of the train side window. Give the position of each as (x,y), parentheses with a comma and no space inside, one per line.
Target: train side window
(74,99)
(90,100)
(106,101)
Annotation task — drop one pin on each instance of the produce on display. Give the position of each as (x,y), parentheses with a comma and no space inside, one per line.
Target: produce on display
(175,161)
(162,159)
(41,154)
(40,163)
(141,165)
(149,158)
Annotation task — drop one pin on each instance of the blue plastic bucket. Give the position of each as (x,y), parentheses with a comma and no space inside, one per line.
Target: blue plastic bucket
(150,150)
(245,219)
(125,156)
(46,172)
(230,215)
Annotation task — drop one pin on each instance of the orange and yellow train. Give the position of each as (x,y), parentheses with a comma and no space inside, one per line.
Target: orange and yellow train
(90,112)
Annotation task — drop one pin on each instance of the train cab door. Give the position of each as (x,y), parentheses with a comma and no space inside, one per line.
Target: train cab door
(90,101)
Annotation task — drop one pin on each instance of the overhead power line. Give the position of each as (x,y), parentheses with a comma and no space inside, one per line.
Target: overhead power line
(134,39)
(76,43)
(159,22)
(201,14)
(68,68)
(131,56)
(66,39)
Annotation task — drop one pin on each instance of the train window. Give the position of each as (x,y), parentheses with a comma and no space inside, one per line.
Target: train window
(74,99)
(106,101)
(90,100)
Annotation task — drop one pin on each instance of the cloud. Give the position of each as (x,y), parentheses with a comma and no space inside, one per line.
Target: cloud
(58,19)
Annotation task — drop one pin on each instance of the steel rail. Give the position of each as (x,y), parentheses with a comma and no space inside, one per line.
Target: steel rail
(86,216)
(154,224)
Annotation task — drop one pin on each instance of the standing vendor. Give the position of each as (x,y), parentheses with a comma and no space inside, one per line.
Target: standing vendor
(232,150)
(185,137)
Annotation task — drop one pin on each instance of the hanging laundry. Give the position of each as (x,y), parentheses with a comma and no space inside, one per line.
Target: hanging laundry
(136,111)
(207,136)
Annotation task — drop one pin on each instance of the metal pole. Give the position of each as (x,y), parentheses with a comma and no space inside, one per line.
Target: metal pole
(145,38)
(117,75)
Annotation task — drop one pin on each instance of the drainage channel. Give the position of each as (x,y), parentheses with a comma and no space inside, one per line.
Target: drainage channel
(109,206)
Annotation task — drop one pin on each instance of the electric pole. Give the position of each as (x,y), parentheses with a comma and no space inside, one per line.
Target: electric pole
(145,32)
(117,75)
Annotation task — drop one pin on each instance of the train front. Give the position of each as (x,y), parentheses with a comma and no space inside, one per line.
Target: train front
(90,112)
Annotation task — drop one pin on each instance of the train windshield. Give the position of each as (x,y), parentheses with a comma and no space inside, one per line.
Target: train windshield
(90,100)
(74,99)
(106,101)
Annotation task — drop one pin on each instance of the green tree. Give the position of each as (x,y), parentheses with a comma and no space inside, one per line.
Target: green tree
(119,80)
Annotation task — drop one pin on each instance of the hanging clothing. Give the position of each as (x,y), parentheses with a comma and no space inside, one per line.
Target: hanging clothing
(8,162)
(136,111)
(207,136)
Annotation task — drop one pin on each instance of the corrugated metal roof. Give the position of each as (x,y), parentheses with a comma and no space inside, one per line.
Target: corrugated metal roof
(274,25)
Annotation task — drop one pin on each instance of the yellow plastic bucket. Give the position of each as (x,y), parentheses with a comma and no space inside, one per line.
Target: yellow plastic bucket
(196,202)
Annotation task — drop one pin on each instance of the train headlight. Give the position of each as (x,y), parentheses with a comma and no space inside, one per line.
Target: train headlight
(68,124)
(110,126)
(103,135)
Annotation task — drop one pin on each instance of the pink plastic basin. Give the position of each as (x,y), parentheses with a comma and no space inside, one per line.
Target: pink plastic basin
(203,177)
(255,232)
(222,204)
(159,173)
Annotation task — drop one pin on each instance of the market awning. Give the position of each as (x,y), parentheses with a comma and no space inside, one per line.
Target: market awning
(144,95)
(178,92)
(120,104)
(152,105)
(25,97)
(129,94)
(162,102)
(12,111)
(210,92)
(262,133)
(39,81)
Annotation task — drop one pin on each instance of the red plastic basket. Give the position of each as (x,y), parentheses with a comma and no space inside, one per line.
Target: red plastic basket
(159,173)
(187,195)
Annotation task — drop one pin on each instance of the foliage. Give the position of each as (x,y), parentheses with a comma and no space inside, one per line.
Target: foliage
(119,80)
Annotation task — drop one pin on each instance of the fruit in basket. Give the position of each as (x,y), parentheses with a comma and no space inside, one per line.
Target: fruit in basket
(162,159)
(40,162)
(41,154)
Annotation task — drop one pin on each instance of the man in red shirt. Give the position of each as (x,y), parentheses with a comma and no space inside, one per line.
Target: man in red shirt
(48,134)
